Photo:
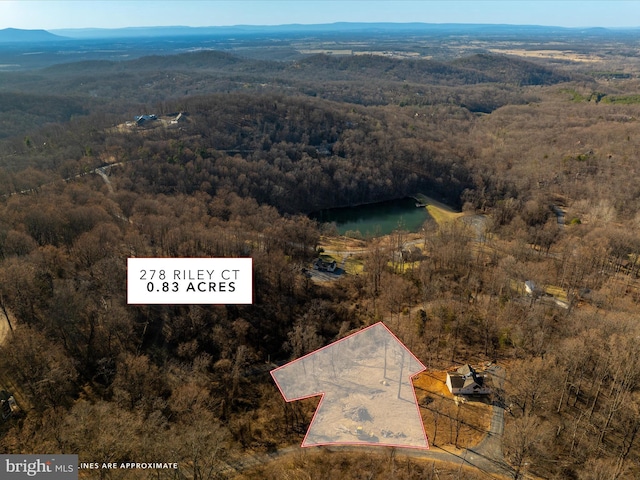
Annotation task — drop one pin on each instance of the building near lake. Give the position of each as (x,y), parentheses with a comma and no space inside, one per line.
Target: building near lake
(325,264)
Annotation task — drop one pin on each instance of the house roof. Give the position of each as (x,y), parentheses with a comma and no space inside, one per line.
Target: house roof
(473,381)
(325,259)
(466,370)
(465,377)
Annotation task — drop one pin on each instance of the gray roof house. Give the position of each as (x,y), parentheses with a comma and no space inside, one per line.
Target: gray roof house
(466,381)
(325,263)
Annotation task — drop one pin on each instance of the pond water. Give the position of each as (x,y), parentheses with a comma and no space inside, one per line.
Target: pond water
(375,219)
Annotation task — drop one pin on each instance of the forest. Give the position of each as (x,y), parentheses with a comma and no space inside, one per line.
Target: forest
(260,144)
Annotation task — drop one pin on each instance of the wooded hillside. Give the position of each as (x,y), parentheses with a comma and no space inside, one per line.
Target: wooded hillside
(512,142)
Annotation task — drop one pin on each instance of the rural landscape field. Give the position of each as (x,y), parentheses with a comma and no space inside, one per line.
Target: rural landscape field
(473,187)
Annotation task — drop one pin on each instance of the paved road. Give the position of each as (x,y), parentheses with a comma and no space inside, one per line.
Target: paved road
(99,171)
(102,172)
(455,458)
(489,450)
(464,458)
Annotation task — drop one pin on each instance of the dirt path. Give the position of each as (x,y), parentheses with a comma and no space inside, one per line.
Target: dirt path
(101,171)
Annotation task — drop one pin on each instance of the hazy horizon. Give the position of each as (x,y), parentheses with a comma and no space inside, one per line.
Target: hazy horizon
(64,15)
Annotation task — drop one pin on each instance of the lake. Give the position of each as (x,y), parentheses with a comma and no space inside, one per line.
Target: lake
(375,219)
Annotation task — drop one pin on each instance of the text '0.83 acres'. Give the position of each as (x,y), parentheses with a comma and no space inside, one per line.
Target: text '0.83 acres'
(167,281)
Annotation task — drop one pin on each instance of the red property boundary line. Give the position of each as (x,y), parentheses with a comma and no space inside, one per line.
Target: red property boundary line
(322,394)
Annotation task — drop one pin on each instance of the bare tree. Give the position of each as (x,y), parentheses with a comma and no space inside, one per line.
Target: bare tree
(523,441)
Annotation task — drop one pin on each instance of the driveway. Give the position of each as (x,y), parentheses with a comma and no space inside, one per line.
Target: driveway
(489,451)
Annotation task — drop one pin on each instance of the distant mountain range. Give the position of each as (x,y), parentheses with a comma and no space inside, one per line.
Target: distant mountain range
(340,27)
(14,35)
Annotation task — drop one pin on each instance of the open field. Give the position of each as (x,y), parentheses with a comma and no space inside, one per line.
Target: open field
(556,292)
(549,54)
(341,244)
(440,212)
(354,265)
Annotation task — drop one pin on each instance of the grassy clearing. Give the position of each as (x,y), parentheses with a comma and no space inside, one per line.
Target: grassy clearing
(553,290)
(621,99)
(442,216)
(341,244)
(575,96)
(517,287)
(549,54)
(354,265)
(406,267)
(556,292)
(599,97)
(440,212)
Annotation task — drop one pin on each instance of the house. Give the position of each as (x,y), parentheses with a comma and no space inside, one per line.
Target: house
(529,287)
(7,405)
(179,118)
(325,263)
(466,381)
(142,119)
(412,254)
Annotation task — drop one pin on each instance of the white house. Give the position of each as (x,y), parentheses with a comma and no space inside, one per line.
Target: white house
(529,287)
(466,381)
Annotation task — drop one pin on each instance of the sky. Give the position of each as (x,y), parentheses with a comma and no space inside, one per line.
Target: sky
(53,14)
